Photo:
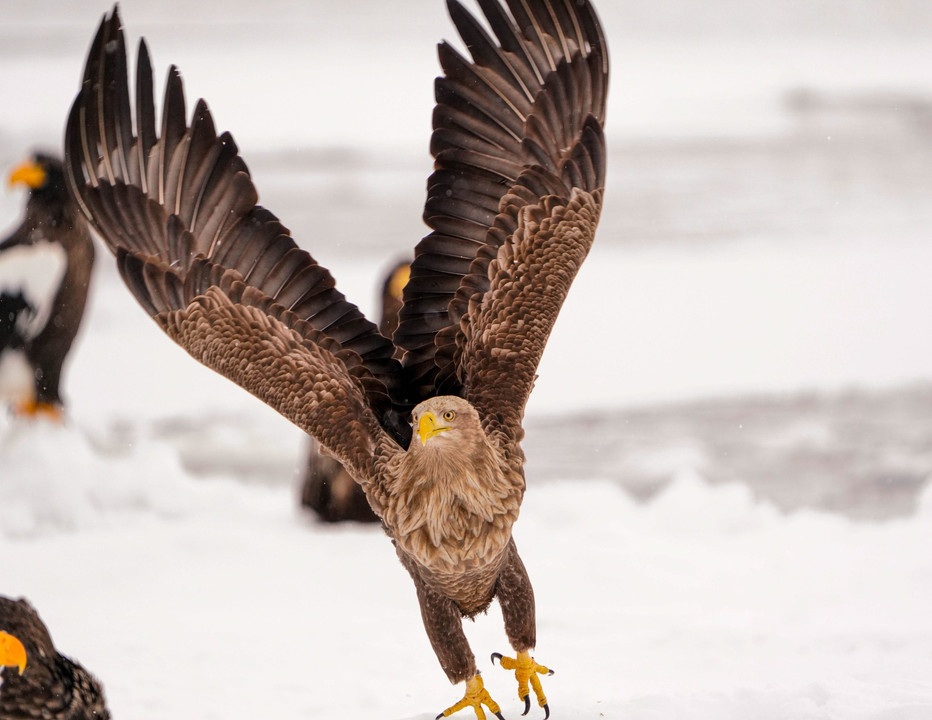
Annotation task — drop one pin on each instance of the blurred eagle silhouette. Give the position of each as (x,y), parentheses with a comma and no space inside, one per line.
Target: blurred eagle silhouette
(45,271)
(433,438)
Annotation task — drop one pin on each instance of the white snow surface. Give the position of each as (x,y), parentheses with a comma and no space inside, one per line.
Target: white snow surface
(744,249)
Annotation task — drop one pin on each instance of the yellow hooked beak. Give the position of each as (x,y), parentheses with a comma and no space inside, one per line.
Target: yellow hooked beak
(30,174)
(12,652)
(427,427)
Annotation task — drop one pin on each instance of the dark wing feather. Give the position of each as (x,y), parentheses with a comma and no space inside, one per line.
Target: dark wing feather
(215,269)
(517,126)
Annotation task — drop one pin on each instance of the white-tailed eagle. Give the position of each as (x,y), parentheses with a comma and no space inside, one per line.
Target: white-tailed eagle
(433,438)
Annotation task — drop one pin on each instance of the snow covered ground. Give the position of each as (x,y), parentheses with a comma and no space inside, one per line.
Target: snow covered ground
(730,519)
(213,599)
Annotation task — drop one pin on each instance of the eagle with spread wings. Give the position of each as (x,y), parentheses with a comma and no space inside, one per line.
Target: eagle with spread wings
(433,438)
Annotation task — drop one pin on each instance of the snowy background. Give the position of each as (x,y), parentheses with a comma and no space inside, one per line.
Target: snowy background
(730,518)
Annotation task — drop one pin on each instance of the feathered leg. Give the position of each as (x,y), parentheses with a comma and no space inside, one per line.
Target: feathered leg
(443,621)
(444,624)
(516,597)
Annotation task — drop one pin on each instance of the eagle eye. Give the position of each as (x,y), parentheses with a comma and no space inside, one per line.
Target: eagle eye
(449,415)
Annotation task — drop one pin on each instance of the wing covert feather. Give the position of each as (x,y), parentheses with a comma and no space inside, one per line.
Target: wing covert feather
(293,369)
(505,328)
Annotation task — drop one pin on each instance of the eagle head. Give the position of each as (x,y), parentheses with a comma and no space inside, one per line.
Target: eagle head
(445,419)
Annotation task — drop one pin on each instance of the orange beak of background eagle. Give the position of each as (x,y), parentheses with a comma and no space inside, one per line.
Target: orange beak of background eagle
(12,652)
(427,427)
(30,174)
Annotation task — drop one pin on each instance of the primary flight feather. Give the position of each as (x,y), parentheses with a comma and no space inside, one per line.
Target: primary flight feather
(434,437)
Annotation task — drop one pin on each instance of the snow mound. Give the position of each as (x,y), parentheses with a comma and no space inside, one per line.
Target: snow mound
(54,479)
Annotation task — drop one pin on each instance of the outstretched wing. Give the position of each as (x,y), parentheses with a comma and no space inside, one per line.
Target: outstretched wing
(218,272)
(513,202)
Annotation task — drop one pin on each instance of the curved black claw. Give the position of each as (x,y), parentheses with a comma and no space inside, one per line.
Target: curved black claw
(499,716)
(496,656)
(547,709)
(527,704)
(439,716)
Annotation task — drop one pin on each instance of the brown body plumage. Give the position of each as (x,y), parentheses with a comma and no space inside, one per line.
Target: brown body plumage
(513,204)
(452,504)
(51,686)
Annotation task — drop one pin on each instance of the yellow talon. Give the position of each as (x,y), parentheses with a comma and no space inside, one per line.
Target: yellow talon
(476,696)
(526,671)
(12,652)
